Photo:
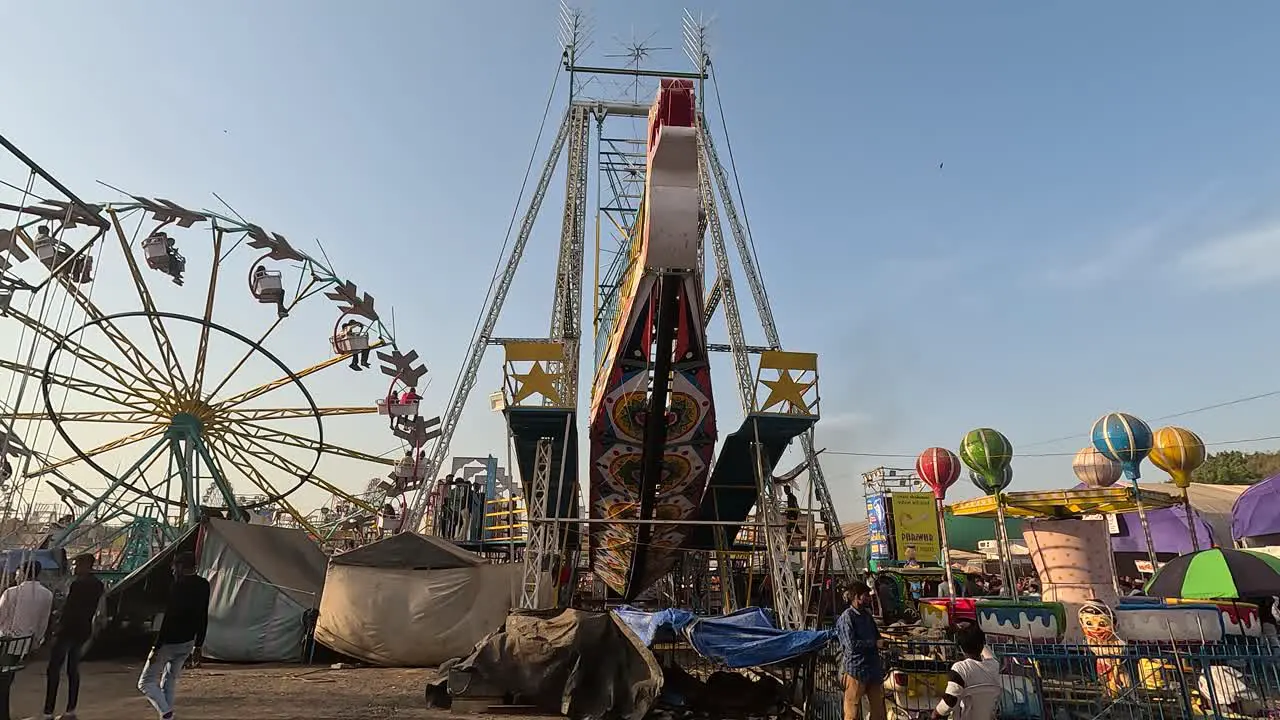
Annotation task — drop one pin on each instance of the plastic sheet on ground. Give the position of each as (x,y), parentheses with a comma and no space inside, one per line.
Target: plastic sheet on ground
(743,639)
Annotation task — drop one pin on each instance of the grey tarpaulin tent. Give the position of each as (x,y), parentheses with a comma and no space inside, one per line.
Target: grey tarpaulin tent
(262,579)
(413,601)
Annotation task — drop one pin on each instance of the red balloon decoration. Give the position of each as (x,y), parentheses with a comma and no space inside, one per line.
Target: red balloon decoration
(939,468)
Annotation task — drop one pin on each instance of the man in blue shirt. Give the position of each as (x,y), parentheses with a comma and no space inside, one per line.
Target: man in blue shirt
(861,668)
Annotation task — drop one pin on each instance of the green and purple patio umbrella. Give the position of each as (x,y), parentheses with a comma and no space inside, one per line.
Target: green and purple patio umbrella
(1217,574)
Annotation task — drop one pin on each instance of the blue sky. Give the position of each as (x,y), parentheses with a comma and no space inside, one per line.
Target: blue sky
(1103,232)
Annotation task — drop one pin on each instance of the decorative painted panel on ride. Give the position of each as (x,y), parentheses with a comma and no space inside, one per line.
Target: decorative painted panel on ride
(652,413)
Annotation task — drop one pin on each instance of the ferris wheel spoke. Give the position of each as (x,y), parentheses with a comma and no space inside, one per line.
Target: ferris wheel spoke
(278,383)
(302,294)
(269,434)
(118,396)
(142,365)
(202,349)
(173,367)
(246,466)
(296,413)
(116,444)
(122,376)
(264,453)
(135,417)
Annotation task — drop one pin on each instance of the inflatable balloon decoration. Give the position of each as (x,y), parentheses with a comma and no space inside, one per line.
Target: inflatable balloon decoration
(980,482)
(1127,440)
(1095,470)
(988,454)
(1178,451)
(939,468)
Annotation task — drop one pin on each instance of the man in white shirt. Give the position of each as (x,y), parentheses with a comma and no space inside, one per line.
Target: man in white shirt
(24,612)
(973,684)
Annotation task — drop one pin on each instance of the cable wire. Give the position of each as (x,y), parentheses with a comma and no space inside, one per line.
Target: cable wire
(912,456)
(1184,413)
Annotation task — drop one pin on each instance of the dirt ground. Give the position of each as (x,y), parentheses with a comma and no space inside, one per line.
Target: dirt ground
(108,691)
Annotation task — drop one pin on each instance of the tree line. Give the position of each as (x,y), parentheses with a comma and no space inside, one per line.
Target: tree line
(1233,467)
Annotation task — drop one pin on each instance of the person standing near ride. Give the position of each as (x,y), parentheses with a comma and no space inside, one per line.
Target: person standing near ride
(73,629)
(181,636)
(24,613)
(862,670)
(973,683)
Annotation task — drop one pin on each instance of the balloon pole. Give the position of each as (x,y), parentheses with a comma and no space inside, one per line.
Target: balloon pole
(1146,526)
(1002,537)
(946,549)
(1191,520)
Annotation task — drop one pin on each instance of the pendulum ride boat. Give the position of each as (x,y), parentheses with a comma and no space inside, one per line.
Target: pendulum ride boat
(652,429)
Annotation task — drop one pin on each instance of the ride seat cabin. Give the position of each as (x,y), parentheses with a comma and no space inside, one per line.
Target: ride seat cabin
(406,468)
(393,407)
(51,253)
(268,287)
(156,251)
(350,339)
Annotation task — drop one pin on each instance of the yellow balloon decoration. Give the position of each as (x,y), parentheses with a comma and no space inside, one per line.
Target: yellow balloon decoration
(1177,451)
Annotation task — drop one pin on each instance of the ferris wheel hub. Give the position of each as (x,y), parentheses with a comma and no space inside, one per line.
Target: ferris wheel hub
(186,424)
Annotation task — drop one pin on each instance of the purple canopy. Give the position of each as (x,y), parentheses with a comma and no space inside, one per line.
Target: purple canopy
(1168,532)
(1256,510)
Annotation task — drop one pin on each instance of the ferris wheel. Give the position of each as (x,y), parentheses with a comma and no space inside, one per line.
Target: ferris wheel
(172,362)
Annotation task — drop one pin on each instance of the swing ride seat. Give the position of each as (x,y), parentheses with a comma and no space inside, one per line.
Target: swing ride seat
(156,251)
(395,408)
(407,469)
(83,267)
(347,342)
(269,287)
(47,251)
(732,490)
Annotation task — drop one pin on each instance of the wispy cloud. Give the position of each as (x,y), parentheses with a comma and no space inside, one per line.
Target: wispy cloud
(1119,252)
(1240,259)
(1111,258)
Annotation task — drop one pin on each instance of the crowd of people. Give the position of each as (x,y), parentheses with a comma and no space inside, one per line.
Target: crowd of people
(458,508)
(29,620)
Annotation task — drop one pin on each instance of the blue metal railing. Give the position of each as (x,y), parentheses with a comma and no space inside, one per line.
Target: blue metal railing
(1239,679)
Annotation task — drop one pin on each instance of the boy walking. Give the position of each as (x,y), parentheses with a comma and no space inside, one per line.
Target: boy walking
(181,636)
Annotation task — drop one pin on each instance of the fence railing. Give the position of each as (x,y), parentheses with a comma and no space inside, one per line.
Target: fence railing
(1069,682)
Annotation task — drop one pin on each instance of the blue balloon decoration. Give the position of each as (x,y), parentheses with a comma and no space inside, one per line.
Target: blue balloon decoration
(1123,438)
(980,482)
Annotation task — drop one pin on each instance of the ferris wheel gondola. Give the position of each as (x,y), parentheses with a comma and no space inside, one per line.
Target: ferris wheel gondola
(131,397)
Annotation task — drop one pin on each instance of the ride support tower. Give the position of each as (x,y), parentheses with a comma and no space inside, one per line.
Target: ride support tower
(651,307)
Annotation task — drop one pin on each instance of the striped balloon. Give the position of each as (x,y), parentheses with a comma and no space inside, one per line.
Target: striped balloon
(939,468)
(1095,470)
(1123,438)
(988,453)
(980,482)
(1177,451)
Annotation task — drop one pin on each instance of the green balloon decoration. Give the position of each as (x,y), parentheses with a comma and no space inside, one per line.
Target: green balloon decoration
(988,453)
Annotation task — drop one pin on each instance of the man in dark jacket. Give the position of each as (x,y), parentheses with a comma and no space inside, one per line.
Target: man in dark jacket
(181,636)
(72,629)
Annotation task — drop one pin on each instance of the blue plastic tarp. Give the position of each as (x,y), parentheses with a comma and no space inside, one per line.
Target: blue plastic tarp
(746,638)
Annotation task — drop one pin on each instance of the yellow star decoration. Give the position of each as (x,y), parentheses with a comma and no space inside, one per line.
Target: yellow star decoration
(536,382)
(787,389)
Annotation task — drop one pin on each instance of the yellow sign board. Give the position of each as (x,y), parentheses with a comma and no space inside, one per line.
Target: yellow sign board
(915,525)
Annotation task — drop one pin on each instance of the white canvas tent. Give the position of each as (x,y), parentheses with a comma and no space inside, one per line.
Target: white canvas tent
(413,601)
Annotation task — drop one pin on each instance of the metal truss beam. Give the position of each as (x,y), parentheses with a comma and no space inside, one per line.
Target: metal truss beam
(475,355)
(566,309)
